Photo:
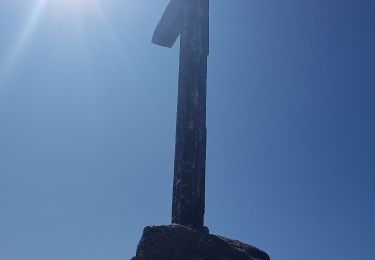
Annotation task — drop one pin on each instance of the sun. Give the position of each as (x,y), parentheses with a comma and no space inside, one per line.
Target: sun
(52,9)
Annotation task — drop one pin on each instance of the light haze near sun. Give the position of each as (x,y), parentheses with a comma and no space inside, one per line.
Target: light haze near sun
(58,9)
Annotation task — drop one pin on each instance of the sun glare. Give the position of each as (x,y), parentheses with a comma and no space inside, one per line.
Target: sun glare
(52,9)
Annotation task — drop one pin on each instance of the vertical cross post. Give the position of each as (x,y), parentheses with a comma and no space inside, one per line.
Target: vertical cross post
(189,19)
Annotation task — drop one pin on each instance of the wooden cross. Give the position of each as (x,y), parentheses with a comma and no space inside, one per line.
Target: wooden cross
(188,19)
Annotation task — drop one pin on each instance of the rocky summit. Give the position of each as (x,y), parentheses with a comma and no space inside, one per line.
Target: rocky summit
(177,242)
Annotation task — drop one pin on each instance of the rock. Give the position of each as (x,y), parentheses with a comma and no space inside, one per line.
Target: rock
(176,242)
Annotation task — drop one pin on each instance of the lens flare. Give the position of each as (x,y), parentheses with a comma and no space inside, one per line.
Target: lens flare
(55,9)
(22,40)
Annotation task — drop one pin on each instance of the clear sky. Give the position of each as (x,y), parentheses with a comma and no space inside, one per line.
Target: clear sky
(87,123)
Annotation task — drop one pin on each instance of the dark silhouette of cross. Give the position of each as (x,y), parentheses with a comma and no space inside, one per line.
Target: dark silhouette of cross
(188,19)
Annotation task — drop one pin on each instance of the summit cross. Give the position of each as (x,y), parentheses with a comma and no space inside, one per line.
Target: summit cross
(188,19)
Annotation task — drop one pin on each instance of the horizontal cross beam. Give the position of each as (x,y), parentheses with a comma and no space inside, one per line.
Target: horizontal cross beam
(171,24)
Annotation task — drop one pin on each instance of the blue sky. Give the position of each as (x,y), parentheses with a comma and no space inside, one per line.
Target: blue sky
(87,122)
